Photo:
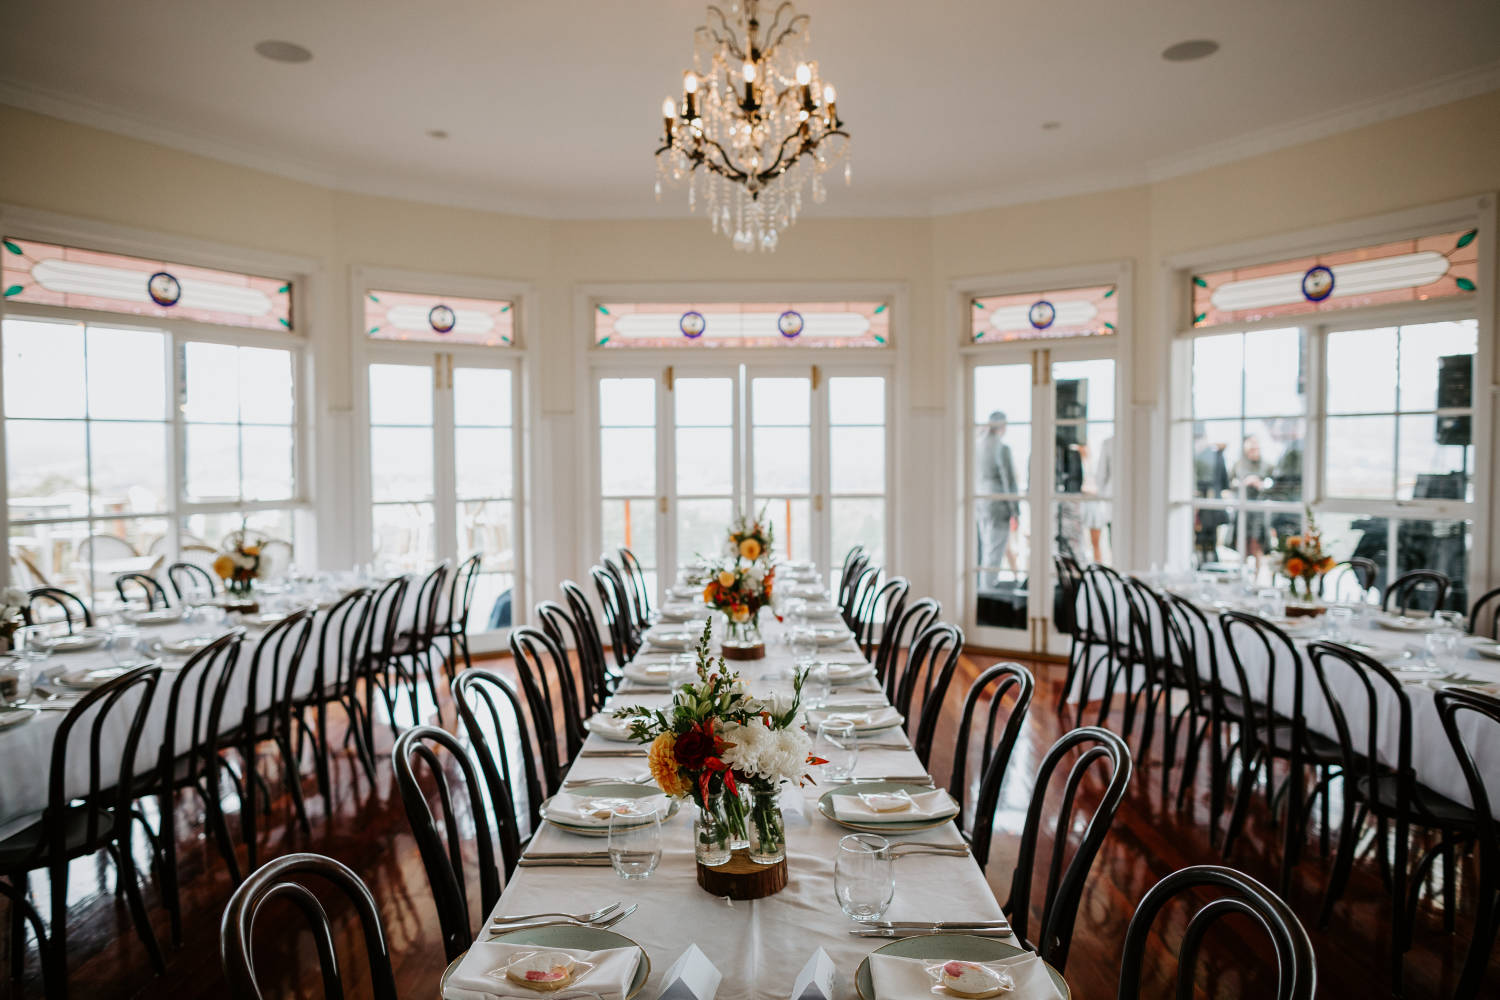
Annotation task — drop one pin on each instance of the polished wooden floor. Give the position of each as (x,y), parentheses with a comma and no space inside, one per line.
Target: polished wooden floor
(366,828)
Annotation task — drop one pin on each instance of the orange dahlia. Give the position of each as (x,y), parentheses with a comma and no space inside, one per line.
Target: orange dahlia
(662,761)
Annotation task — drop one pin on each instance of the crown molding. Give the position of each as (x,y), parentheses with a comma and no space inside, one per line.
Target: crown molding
(1444,90)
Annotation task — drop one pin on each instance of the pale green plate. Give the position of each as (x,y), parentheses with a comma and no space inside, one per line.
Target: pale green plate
(620,791)
(576,939)
(963,947)
(825,806)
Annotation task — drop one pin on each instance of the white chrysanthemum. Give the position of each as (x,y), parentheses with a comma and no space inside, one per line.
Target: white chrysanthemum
(751,743)
(15,597)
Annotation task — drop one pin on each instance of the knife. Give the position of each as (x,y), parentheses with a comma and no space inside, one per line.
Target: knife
(612,753)
(563,863)
(559,855)
(905,779)
(939,925)
(895,932)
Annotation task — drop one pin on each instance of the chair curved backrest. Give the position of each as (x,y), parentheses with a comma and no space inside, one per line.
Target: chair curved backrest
(863,604)
(189,580)
(1065,606)
(635,579)
(849,587)
(1485,620)
(994,684)
(915,619)
(616,614)
(442,853)
(429,596)
(104,547)
(1242,895)
(929,666)
(483,697)
(1358,570)
(1485,730)
(1065,884)
(591,651)
(564,630)
(634,623)
(1106,615)
(279,654)
(156,594)
(73,609)
(1406,591)
(385,619)
(199,686)
(1243,631)
(884,611)
(846,570)
(279,879)
(461,594)
(552,699)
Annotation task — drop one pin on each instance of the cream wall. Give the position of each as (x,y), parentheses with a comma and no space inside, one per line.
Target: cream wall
(1419,159)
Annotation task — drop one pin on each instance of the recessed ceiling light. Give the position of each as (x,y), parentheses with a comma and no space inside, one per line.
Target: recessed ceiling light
(437,133)
(1197,48)
(1051,126)
(283,52)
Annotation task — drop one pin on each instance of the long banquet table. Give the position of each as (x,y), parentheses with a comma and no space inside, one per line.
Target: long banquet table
(1433,759)
(758,945)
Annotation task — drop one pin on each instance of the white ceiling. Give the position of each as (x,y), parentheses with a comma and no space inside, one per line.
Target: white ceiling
(552,105)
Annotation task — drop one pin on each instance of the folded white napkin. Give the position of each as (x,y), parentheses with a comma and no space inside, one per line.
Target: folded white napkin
(907,979)
(610,728)
(578,809)
(682,592)
(936,804)
(684,613)
(480,974)
(849,671)
(832,636)
(865,720)
(810,590)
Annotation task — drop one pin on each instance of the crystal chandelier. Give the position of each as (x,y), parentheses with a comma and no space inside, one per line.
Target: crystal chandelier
(756,125)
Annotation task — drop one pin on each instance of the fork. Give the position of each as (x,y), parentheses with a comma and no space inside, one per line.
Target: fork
(639,779)
(582,918)
(610,921)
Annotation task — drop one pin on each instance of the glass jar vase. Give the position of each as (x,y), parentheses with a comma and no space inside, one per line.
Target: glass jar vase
(766,827)
(712,840)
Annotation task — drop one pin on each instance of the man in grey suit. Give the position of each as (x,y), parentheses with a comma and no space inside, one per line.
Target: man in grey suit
(995,472)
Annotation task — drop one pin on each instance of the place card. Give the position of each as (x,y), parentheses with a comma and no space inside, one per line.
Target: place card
(691,977)
(815,981)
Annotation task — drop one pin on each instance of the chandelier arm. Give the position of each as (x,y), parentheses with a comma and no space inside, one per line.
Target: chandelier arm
(809,146)
(793,26)
(728,39)
(729,170)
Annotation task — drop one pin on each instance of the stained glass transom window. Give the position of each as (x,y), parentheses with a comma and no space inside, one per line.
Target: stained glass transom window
(51,275)
(1412,270)
(1066,312)
(444,319)
(742,324)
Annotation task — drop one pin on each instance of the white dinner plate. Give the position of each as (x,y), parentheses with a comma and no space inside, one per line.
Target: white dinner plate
(649,673)
(673,640)
(187,646)
(158,616)
(87,680)
(1487,648)
(848,673)
(77,642)
(12,717)
(1404,624)
(832,636)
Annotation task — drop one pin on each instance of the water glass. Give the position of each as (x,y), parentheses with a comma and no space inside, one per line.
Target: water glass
(816,686)
(803,643)
(837,742)
(1449,621)
(864,876)
(1339,621)
(122,645)
(1438,648)
(1272,602)
(635,843)
(682,669)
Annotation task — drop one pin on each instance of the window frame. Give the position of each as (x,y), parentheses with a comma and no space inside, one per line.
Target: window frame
(53,228)
(517,357)
(1168,487)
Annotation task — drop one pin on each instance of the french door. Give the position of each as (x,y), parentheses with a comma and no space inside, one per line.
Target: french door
(443,471)
(1041,485)
(681,448)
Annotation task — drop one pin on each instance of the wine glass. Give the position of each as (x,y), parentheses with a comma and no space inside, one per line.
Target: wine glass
(864,877)
(635,843)
(817,686)
(837,742)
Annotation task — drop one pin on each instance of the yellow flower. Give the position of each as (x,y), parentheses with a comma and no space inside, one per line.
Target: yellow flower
(750,549)
(224,567)
(663,764)
(708,594)
(740,613)
(726,578)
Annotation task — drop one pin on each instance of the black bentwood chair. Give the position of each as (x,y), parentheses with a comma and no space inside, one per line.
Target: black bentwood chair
(635,578)
(1065,616)
(282,879)
(1241,895)
(994,684)
(82,820)
(1065,884)
(552,698)
(616,605)
(343,638)
(915,619)
(591,649)
(1484,615)
(156,594)
(456,626)
(191,582)
(884,611)
(929,667)
(563,629)
(490,708)
(70,605)
(1485,728)
(1419,590)
(442,852)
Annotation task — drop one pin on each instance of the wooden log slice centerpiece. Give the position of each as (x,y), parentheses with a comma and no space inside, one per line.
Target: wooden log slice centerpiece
(741,878)
(733,651)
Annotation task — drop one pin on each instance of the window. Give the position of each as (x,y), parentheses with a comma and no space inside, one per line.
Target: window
(1412,270)
(732,324)
(1068,312)
(51,275)
(439,319)
(150,409)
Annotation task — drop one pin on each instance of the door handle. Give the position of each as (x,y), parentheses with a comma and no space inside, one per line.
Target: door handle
(661,504)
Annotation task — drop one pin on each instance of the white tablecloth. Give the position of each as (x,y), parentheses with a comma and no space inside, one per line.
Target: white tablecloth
(1433,759)
(759,945)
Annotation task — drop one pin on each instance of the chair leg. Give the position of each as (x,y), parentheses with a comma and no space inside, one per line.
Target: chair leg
(1241,804)
(18,932)
(1481,944)
(171,897)
(1343,862)
(291,776)
(216,823)
(1450,891)
(125,866)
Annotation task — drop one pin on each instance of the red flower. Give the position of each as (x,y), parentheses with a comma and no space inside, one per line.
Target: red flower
(697,745)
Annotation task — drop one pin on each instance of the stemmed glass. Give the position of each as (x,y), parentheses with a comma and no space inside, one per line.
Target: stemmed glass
(837,742)
(817,686)
(635,843)
(864,876)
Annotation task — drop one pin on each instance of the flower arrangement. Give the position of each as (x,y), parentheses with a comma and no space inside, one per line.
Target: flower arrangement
(239,565)
(14,603)
(739,589)
(715,736)
(751,538)
(1301,557)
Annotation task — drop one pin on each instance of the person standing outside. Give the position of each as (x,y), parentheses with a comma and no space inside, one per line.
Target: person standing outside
(995,472)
